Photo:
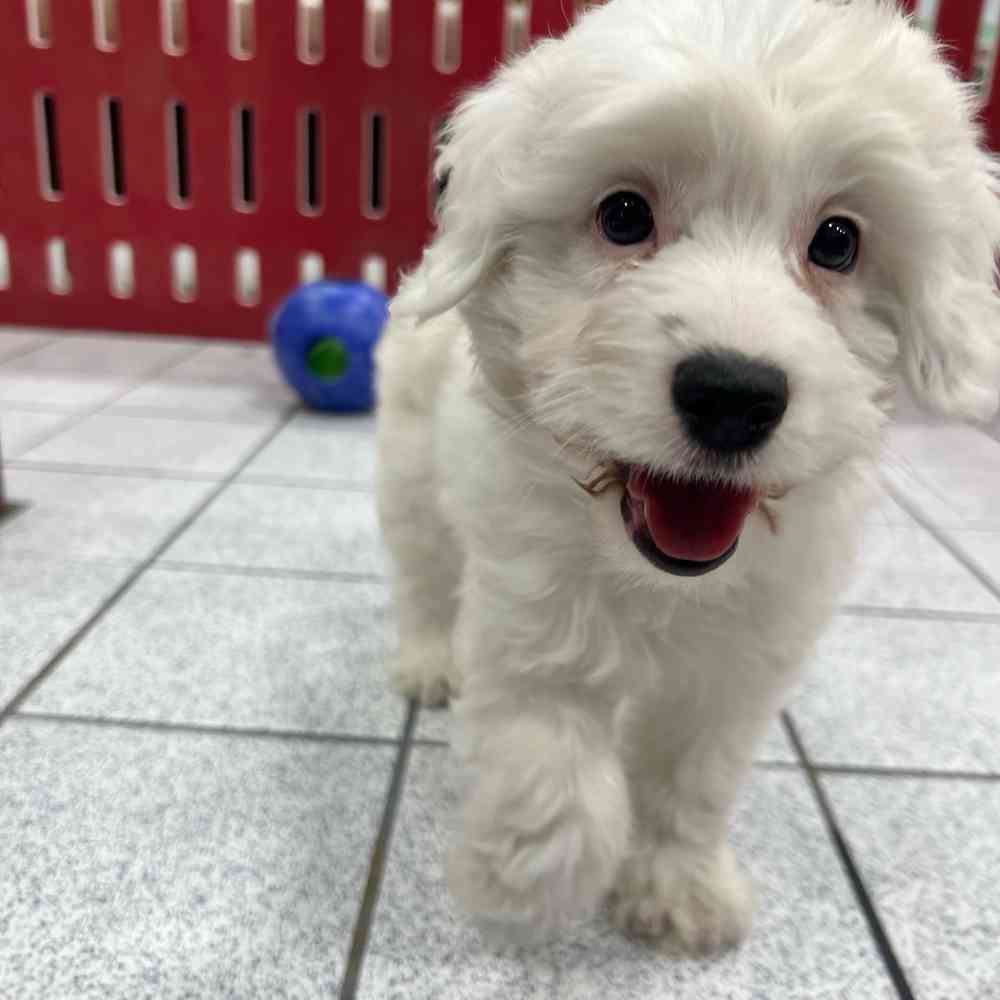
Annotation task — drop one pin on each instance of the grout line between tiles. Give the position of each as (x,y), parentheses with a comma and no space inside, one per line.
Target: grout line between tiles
(204,729)
(304,483)
(142,472)
(776,765)
(148,376)
(922,773)
(129,384)
(69,420)
(136,472)
(379,857)
(134,575)
(878,932)
(272,572)
(55,409)
(189,415)
(918,614)
(943,539)
(24,352)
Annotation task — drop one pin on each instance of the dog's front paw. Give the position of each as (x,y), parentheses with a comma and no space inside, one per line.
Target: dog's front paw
(539,848)
(542,879)
(698,899)
(425,670)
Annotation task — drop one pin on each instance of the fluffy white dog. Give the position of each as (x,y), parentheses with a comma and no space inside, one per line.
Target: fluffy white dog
(630,406)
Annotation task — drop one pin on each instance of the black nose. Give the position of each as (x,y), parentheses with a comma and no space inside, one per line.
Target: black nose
(729,402)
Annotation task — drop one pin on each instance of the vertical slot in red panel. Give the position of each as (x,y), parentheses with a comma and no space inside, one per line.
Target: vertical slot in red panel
(312,267)
(184,273)
(60,279)
(242,29)
(121,270)
(49,163)
(39,18)
(377,39)
(958,27)
(4,265)
(178,155)
(245,159)
(517,26)
(246,277)
(373,271)
(375,197)
(309,28)
(173,27)
(447,36)
(106,29)
(311,162)
(114,153)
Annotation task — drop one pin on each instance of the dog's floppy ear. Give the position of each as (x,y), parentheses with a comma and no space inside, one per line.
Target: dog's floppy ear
(951,323)
(472,170)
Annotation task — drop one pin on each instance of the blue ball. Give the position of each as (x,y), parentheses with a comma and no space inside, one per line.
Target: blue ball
(324,336)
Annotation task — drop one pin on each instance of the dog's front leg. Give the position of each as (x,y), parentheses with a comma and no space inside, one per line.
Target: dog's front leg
(690,755)
(682,883)
(546,820)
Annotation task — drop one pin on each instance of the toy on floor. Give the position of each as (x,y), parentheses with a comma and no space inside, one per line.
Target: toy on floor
(323,336)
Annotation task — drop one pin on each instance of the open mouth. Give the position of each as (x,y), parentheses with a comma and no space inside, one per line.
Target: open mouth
(684,527)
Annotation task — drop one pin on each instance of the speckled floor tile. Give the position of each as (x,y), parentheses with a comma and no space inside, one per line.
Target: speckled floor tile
(929,854)
(78,516)
(157,443)
(15,341)
(43,603)
(809,942)
(103,354)
(287,527)
(170,396)
(214,649)
(949,472)
(895,693)
(21,430)
(225,381)
(57,390)
(322,447)
(142,864)
(229,363)
(903,566)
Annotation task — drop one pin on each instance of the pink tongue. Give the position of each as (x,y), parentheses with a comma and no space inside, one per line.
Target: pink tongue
(691,520)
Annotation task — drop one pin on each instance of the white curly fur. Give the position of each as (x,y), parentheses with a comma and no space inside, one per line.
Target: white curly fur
(609,711)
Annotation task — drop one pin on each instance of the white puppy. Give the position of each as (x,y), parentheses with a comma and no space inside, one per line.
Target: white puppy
(630,406)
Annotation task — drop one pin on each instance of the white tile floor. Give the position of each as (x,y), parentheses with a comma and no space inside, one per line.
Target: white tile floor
(207,791)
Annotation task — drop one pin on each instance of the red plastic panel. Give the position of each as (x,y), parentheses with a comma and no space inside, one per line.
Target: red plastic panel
(408,93)
(343,90)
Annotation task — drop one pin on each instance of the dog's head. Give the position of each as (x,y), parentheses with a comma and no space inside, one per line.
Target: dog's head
(696,239)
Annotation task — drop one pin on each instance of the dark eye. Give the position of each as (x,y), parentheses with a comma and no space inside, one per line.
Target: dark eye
(625,218)
(835,245)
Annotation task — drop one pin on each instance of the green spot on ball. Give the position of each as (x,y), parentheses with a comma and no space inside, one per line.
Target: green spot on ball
(328,358)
